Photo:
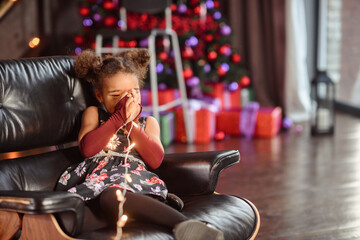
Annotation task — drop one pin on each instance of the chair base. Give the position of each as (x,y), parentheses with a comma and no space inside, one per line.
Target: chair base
(42,227)
(12,222)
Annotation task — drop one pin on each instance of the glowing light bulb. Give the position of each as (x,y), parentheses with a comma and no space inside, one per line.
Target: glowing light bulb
(121,222)
(119,195)
(34,42)
(128,178)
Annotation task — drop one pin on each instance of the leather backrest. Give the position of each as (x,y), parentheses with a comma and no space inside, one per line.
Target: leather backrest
(37,172)
(41,102)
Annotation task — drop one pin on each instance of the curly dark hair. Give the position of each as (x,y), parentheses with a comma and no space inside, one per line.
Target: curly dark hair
(94,69)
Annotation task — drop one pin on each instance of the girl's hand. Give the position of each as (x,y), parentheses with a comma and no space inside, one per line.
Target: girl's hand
(133,107)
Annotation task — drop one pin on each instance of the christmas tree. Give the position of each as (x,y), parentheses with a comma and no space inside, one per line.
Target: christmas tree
(204,37)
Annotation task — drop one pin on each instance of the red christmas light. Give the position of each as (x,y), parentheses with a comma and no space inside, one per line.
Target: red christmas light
(212,55)
(197,10)
(221,72)
(109,5)
(188,73)
(224,49)
(132,43)
(121,43)
(84,11)
(110,21)
(173,7)
(208,37)
(187,53)
(236,58)
(163,56)
(79,40)
(245,81)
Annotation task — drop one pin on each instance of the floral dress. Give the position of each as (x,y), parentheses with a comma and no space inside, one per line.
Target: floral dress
(107,169)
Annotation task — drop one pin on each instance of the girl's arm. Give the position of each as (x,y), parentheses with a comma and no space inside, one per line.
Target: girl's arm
(89,122)
(92,139)
(147,142)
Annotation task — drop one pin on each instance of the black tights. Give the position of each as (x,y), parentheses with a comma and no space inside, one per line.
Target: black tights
(137,206)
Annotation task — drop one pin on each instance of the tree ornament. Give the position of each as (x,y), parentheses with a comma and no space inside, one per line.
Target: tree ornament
(79,40)
(209,37)
(225,50)
(97,17)
(188,72)
(236,58)
(232,87)
(87,22)
(109,5)
(163,56)
(193,81)
(217,15)
(212,55)
(187,53)
(225,30)
(144,43)
(121,43)
(110,21)
(182,8)
(245,81)
(197,10)
(132,43)
(223,69)
(173,7)
(159,68)
(207,68)
(84,11)
(209,4)
(191,41)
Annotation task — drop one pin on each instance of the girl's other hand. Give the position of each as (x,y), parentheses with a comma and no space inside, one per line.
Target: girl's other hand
(133,107)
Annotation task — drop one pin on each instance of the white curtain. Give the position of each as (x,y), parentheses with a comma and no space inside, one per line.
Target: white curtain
(297,84)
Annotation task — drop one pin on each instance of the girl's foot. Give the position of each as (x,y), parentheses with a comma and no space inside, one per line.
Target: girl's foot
(197,230)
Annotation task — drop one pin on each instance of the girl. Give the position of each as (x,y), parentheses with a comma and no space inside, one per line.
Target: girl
(103,141)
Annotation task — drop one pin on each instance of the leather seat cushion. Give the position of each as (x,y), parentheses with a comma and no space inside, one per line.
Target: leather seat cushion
(223,211)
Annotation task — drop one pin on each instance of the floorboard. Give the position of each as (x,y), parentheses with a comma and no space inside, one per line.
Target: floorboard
(304,187)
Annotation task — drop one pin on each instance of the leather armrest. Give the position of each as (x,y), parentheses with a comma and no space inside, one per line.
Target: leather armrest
(42,202)
(195,173)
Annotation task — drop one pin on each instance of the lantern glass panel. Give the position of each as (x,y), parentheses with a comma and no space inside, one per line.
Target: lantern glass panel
(323,94)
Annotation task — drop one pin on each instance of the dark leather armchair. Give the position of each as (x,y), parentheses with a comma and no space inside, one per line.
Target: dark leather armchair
(40,110)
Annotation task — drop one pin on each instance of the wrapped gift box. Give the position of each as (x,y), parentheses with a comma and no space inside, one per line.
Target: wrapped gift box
(165,96)
(228,121)
(202,121)
(268,122)
(167,126)
(240,121)
(228,99)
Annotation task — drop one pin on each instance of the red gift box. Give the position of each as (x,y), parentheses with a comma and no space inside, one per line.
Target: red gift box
(232,99)
(268,122)
(228,121)
(228,99)
(217,91)
(202,121)
(165,96)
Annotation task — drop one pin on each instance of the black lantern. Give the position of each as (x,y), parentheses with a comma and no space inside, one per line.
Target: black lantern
(322,99)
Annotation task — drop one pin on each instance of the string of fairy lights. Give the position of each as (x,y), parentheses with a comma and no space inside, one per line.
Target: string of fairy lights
(122,218)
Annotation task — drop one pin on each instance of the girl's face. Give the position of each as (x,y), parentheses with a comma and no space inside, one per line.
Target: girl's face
(113,87)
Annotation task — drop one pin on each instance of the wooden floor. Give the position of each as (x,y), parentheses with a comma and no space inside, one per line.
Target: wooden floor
(304,187)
